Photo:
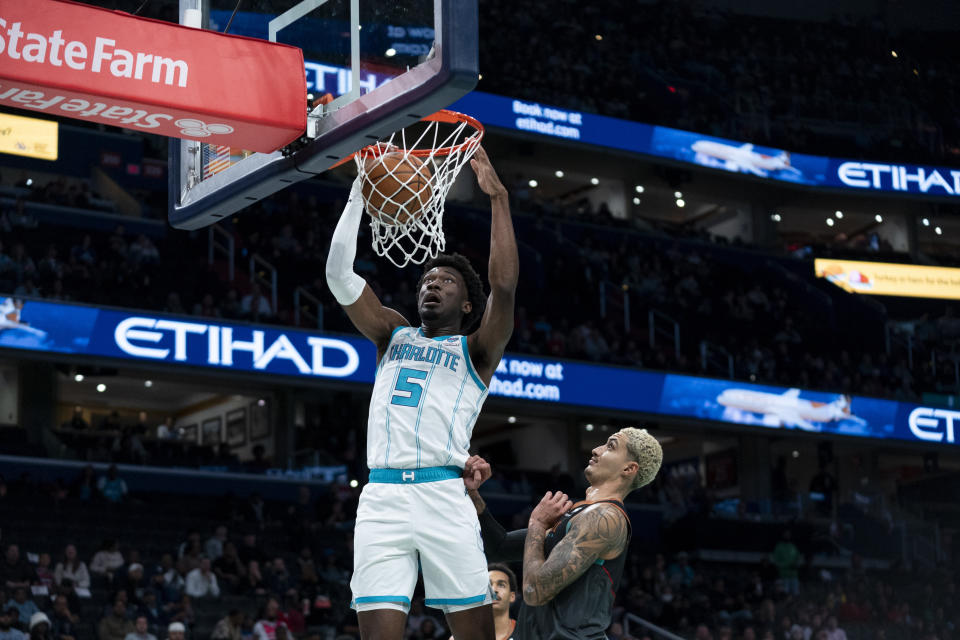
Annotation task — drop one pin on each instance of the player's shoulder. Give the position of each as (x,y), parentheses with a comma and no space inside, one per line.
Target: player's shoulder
(602,521)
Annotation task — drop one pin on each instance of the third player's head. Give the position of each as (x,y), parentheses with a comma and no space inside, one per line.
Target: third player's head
(503,582)
(450,293)
(629,459)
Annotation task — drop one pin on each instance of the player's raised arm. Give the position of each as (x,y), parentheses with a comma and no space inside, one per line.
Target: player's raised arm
(496,325)
(362,305)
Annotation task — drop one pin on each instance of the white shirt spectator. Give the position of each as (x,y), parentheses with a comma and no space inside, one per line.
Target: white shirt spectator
(266,629)
(79,574)
(255,300)
(104,561)
(202,584)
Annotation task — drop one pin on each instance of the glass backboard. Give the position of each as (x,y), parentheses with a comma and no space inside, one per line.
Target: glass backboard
(371,67)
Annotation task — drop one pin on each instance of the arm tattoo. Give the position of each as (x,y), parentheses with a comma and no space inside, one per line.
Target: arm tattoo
(478,502)
(597,533)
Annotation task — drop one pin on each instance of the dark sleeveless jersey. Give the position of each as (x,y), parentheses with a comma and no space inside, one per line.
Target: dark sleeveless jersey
(583,609)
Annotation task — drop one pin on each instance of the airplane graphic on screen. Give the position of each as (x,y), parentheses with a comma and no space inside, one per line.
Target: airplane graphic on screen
(740,159)
(788,408)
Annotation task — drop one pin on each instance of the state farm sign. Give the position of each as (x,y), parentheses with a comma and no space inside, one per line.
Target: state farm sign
(74,60)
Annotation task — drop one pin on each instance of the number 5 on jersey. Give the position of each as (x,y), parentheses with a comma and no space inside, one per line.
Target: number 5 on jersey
(407,384)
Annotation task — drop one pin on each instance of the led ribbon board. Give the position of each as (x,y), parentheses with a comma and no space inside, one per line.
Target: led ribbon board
(708,151)
(889,279)
(144,338)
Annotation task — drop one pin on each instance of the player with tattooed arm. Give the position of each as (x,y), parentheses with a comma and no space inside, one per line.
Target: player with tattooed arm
(573,554)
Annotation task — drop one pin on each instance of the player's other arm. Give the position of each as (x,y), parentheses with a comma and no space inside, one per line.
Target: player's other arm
(488,342)
(362,305)
(598,533)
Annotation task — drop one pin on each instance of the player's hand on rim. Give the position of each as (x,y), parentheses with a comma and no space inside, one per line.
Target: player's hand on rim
(551,508)
(486,175)
(476,471)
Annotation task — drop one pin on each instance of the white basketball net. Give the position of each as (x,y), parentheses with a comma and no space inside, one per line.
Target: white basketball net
(407,224)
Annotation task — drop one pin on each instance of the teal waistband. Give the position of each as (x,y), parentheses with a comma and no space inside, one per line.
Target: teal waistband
(415,476)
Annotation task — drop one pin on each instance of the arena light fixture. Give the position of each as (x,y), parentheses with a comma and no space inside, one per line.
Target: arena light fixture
(101,387)
(829,222)
(878,218)
(636,201)
(29,182)
(938,231)
(558,173)
(893,53)
(598,37)
(533,184)
(261,402)
(479,76)
(839,214)
(354,484)
(78,377)
(638,188)
(776,217)
(795,454)
(588,427)
(512,419)
(681,203)
(148,383)
(594,181)
(390,52)
(926,222)
(677,195)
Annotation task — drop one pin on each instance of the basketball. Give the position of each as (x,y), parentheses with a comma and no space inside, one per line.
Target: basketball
(396,187)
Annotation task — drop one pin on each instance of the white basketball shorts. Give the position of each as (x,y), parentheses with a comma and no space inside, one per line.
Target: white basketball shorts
(408,525)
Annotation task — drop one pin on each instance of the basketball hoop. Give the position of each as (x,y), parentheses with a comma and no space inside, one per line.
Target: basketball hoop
(424,161)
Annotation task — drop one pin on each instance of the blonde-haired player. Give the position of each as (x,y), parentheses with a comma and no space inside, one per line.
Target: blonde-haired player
(573,554)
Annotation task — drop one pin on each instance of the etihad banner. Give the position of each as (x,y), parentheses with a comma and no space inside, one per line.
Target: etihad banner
(30,137)
(888,279)
(77,61)
(145,338)
(708,151)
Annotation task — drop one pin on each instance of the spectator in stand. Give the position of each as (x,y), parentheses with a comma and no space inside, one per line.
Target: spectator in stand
(278,578)
(183,612)
(8,620)
(84,252)
(106,561)
(14,571)
(64,623)
(39,626)
(115,626)
(250,551)
(202,582)
(228,627)
(292,613)
(786,557)
(85,486)
(206,307)
(112,486)
(834,632)
(214,546)
(140,630)
(229,569)
(23,604)
(134,584)
(255,306)
(152,610)
(176,631)
(44,572)
(680,572)
(267,622)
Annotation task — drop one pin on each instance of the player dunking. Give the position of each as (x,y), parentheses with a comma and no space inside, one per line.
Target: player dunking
(430,384)
(573,554)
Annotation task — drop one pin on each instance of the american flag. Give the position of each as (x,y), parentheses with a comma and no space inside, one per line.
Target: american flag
(216,158)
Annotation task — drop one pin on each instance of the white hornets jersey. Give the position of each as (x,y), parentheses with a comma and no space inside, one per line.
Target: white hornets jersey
(426,398)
